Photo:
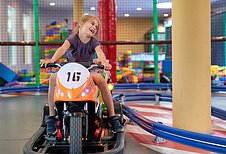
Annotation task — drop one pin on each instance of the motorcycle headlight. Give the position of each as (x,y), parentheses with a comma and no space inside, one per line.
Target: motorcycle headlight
(85,92)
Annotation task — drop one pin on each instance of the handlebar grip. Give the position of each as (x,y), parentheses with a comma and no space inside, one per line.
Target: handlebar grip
(50,65)
(100,66)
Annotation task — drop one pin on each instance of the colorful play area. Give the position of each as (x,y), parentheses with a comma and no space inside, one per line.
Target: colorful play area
(168,77)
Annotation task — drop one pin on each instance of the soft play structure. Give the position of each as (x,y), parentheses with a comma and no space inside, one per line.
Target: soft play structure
(7,75)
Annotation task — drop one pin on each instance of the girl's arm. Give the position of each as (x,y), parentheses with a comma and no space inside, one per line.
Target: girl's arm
(100,54)
(102,58)
(59,52)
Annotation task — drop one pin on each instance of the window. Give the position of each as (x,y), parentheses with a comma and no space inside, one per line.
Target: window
(11,30)
(27,38)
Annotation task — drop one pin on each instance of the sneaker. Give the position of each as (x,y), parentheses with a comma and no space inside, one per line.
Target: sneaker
(51,126)
(116,125)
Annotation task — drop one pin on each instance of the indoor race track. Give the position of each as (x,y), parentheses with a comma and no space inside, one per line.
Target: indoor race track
(20,117)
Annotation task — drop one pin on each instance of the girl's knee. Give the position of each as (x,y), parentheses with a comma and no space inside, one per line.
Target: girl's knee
(52,79)
(98,79)
(96,76)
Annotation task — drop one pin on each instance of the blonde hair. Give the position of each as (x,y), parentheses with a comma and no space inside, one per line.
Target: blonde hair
(83,20)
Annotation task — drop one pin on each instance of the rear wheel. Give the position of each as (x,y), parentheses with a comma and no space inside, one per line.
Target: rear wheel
(76,134)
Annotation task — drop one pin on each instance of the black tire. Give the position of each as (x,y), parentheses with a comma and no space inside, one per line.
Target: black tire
(118,111)
(75,134)
(45,115)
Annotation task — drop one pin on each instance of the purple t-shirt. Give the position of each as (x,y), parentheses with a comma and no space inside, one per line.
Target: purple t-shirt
(79,51)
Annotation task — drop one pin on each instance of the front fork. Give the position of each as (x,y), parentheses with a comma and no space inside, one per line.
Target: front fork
(66,126)
(65,117)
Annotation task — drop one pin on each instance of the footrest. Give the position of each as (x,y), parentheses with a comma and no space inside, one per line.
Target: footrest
(51,138)
(108,138)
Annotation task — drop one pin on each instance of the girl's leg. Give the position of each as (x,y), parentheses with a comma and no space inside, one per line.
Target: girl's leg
(106,94)
(52,84)
(51,125)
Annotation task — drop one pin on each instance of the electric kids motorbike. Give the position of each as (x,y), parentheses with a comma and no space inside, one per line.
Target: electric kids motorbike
(82,125)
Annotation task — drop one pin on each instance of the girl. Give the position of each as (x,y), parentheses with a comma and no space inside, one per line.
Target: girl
(80,47)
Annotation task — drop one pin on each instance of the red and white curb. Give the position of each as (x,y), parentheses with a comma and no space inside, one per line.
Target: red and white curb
(163,113)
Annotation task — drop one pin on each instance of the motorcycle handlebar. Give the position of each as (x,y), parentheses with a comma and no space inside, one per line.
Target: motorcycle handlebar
(52,65)
(85,64)
(100,66)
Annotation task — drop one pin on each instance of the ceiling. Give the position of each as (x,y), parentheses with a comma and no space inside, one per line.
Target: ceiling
(124,6)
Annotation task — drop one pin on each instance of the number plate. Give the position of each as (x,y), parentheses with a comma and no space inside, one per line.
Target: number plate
(73,75)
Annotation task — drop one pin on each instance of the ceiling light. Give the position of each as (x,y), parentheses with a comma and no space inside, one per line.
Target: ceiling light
(166,5)
(139,9)
(126,15)
(92,8)
(52,4)
(165,15)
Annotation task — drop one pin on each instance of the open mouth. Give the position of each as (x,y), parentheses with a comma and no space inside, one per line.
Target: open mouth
(92,31)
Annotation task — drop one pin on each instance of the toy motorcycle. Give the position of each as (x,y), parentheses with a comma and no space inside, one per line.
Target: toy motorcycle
(82,120)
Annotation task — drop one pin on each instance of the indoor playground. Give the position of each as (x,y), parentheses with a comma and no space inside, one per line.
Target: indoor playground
(167,78)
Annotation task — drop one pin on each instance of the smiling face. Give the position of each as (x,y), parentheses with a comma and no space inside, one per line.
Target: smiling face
(90,27)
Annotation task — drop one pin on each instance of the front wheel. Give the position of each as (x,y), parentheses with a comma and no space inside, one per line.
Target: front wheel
(76,134)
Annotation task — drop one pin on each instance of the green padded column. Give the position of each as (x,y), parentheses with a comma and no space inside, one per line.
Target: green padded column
(37,48)
(155,23)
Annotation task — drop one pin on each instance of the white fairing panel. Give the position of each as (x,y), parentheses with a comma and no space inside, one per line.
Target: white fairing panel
(73,75)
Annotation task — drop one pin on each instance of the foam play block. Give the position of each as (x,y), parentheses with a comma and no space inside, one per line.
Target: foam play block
(167,66)
(7,74)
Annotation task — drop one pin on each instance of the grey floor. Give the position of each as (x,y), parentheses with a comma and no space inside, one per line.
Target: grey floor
(20,117)
(219,101)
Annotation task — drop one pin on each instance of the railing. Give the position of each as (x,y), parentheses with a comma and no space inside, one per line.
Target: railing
(197,140)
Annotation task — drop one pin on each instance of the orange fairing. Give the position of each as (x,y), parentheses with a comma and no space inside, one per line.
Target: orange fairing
(86,92)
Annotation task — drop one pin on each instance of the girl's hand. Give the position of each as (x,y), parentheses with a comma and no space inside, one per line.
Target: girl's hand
(44,62)
(96,61)
(107,66)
